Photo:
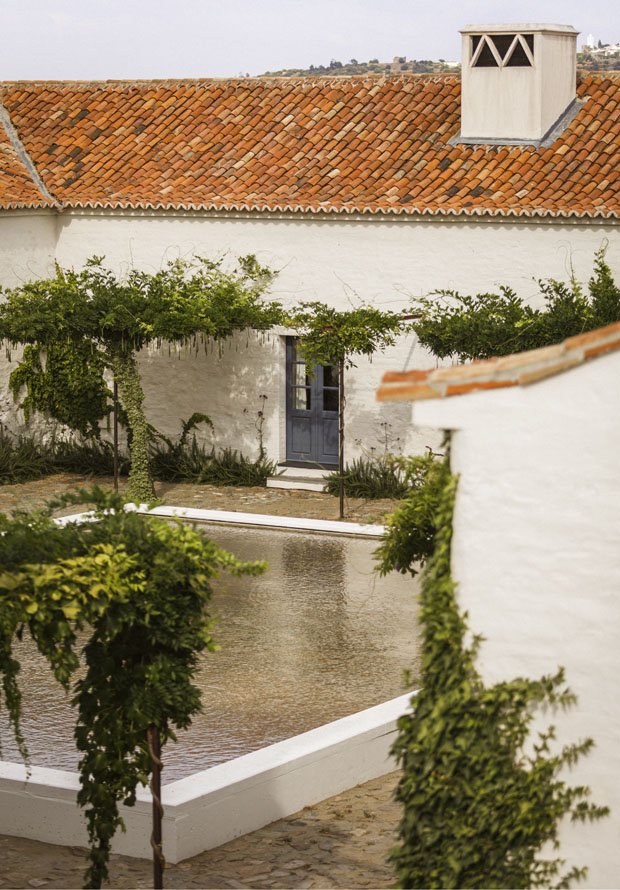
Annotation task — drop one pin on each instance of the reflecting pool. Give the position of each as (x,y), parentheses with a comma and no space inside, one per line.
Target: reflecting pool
(315,638)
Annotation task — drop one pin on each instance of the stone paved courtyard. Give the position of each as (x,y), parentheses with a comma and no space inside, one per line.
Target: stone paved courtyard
(341,842)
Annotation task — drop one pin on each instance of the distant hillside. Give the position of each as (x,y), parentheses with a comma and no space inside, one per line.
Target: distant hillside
(585,61)
(374,66)
(590,62)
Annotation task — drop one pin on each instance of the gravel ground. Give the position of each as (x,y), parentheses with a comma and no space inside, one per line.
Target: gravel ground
(274,501)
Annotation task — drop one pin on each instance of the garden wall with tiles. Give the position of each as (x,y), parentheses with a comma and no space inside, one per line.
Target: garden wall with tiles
(537,564)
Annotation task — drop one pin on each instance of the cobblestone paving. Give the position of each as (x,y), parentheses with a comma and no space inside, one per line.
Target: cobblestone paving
(274,501)
(342,842)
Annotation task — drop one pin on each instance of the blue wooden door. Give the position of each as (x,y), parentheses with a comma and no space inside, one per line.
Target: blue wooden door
(311,411)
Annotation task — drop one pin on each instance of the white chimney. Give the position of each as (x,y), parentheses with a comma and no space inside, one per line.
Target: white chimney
(518,82)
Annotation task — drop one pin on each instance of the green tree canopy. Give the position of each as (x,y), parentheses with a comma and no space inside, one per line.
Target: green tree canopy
(138,589)
(116,317)
(328,336)
(477,327)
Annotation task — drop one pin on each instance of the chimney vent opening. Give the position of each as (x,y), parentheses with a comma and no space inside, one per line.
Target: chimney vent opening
(502,51)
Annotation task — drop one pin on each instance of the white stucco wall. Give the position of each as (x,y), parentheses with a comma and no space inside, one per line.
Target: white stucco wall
(27,248)
(537,561)
(336,261)
(339,261)
(27,245)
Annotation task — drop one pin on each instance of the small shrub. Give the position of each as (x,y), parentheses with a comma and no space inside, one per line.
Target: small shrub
(374,477)
(88,457)
(230,467)
(187,460)
(23,458)
(410,531)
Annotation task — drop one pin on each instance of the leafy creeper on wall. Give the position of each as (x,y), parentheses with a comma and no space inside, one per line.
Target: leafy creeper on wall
(480,797)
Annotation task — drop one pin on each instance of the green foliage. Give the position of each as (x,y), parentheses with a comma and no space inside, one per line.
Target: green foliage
(139,587)
(23,458)
(411,529)
(85,456)
(106,320)
(480,797)
(187,460)
(370,477)
(70,388)
(485,325)
(175,304)
(230,467)
(131,395)
(330,337)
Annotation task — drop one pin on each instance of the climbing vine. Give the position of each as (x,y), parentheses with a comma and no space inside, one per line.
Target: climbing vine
(65,383)
(477,807)
(477,327)
(138,587)
(114,317)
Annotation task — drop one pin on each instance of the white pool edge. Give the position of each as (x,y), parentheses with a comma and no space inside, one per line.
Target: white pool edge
(214,806)
(229,517)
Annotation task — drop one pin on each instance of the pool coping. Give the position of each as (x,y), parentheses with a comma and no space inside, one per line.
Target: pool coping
(216,805)
(231,517)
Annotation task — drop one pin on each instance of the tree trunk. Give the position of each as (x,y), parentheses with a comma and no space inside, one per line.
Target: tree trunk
(115,434)
(159,863)
(341,436)
(140,486)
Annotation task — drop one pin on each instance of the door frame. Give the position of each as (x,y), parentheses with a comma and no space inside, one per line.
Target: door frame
(317,418)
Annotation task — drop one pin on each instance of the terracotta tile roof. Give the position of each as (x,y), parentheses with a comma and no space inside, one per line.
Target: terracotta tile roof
(519,369)
(309,144)
(17,188)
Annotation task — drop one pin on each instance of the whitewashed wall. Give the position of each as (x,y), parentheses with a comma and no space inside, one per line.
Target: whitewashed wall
(27,248)
(537,560)
(27,245)
(380,261)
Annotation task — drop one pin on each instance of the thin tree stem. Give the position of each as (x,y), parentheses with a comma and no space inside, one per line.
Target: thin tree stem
(115,432)
(341,436)
(159,862)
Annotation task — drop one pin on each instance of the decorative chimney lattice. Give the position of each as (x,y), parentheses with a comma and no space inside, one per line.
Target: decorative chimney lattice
(502,51)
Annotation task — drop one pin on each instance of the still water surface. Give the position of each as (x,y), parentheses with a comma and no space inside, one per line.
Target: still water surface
(315,638)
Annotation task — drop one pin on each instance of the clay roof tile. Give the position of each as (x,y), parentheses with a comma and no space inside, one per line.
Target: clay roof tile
(520,369)
(275,143)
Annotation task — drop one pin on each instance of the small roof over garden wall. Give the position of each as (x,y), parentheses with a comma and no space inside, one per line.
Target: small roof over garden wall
(519,369)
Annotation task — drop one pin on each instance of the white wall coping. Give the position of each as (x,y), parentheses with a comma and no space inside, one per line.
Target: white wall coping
(288,523)
(281,757)
(215,805)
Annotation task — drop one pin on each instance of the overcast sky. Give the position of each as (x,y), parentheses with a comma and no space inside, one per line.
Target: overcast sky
(94,39)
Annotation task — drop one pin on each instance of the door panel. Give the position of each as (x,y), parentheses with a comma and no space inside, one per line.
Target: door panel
(311,411)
